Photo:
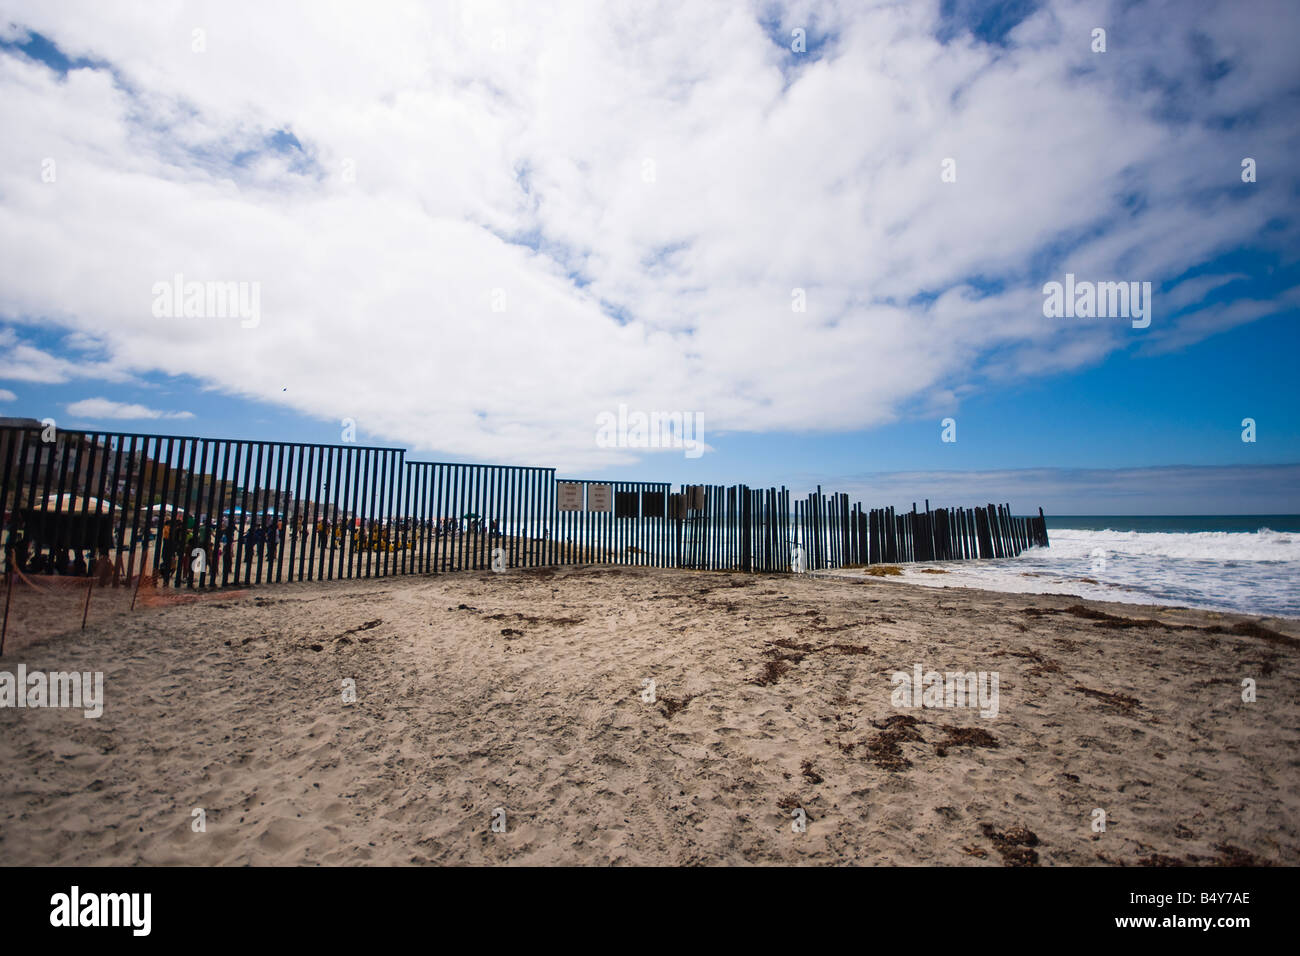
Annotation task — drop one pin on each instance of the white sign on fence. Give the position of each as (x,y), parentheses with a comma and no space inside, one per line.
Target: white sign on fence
(600,497)
(568,496)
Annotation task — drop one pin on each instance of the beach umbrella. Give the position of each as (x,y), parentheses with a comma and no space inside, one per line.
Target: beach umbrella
(70,503)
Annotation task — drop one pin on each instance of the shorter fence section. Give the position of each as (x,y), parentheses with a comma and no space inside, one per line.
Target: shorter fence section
(833,533)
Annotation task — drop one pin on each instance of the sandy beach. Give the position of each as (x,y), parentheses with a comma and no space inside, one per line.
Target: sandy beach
(526,692)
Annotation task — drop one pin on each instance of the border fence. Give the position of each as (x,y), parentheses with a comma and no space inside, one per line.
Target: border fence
(202,512)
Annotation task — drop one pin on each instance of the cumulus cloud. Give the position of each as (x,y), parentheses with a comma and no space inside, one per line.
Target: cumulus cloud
(474,227)
(23,362)
(7,396)
(103,408)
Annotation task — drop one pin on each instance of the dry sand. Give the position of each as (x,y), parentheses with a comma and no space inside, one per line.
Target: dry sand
(523,691)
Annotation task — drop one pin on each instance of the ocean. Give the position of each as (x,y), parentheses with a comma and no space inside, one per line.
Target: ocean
(1244,563)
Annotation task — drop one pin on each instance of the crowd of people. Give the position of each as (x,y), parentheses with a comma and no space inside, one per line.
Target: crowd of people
(66,562)
(187,546)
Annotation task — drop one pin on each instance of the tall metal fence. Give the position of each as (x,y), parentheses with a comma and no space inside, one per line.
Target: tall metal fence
(202,512)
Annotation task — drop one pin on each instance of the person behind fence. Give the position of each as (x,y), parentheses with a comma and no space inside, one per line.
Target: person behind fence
(172,550)
(164,540)
(227,550)
(20,550)
(187,557)
(174,545)
(206,545)
(103,570)
(165,532)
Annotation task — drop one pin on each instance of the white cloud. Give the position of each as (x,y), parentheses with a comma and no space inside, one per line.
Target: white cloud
(7,396)
(22,362)
(103,408)
(477,129)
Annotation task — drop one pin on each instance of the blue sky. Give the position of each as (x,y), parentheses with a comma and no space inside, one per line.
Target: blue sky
(647,255)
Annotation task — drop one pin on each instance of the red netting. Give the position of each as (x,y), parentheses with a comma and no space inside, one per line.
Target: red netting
(42,606)
(154,593)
